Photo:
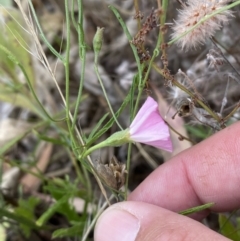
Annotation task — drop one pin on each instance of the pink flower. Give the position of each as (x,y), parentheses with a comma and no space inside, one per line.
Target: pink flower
(149,128)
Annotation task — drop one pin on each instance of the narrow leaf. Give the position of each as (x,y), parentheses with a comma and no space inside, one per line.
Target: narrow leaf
(110,122)
(196,209)
(54,208)
(227,228)
(76,230)
(96,127)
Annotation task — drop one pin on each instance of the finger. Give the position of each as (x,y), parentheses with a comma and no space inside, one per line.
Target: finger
(142,222)
(207,172)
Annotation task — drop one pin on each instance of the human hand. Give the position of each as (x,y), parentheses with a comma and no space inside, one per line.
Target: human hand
(207,172)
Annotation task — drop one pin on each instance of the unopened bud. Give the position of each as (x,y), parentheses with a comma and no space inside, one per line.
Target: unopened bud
(97,40)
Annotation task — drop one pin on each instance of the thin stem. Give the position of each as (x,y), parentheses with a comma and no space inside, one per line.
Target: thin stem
(164,14)
(129,37)
(179,134)
(66,64)
(91,226)
(161,39)
(229,51)
(105,95)
(232,112)
(128,168)
(141,87)
(59,56)
(82,55)
(182,87)
(67,75)
(73,17)
(224,100)
(35,96)
(76,166)
(234,69)
(15,61)
(136,7)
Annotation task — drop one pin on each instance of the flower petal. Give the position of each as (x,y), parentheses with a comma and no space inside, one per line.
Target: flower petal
(149,128)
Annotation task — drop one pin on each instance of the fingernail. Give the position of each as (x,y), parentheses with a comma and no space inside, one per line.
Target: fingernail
(117,225)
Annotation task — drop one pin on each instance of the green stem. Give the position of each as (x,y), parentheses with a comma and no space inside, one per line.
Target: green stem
(73,17)
(129,37)
(116,139)
(105,95)
(93,148)
(66,63)
(82,55)
(67,75)
(76,166)
(35,96)
(68,114)
(59,56)
(128,168)
(164,14)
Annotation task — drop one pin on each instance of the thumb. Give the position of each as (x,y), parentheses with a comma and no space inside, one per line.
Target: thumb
(129,221)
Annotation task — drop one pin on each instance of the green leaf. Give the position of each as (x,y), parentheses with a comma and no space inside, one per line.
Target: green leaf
(53,209)
(196,209)
(26,209)
(74,231)
(18,218)
(14,38)
(31,87)
(110,122)
(238,225)
(198,131)
(96,127)
(59,187)
(49,139)
(65,187)
(18,99)
(227,228)
(128,35)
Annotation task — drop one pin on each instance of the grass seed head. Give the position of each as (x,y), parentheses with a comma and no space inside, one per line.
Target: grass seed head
(194,12)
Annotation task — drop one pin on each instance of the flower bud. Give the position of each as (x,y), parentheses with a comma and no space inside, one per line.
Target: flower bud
(97,40)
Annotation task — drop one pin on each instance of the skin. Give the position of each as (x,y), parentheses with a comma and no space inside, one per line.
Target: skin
(207,172)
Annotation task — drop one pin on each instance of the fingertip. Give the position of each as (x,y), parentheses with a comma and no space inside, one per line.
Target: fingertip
(207,172)
(129,221)
(116,224)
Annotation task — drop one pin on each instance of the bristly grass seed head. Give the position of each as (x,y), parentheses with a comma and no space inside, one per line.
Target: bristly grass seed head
(191,14)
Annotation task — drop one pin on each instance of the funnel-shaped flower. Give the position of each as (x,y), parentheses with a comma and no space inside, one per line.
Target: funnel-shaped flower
(149,128)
